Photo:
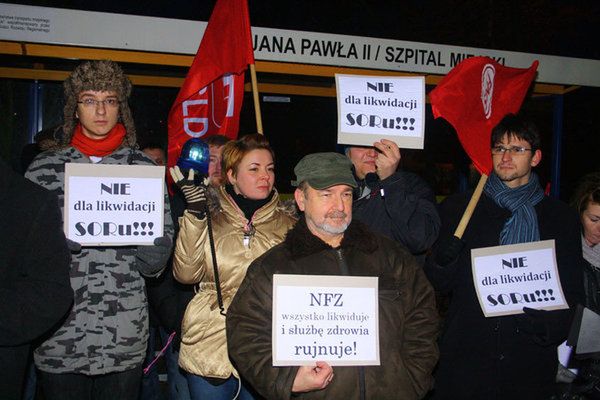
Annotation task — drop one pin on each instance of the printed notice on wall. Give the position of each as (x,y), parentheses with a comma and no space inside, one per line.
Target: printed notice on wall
(325,318)
(113,205)
(508,278)
(371,108)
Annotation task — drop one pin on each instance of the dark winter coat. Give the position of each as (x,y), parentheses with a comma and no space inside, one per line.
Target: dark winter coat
(495,358)
(408,320)
(591,283)
(35,292)
(401,207)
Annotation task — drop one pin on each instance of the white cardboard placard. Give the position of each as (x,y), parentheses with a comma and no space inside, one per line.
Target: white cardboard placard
(371,108)
(325,318)
(508,278)
(113,205)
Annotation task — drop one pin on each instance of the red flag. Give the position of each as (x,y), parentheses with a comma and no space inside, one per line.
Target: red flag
(210,100)
(474,97)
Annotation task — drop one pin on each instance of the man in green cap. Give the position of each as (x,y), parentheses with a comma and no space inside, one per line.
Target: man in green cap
(326,241)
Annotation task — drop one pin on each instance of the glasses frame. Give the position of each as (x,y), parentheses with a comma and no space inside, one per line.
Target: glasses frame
(517,150)
(89,102)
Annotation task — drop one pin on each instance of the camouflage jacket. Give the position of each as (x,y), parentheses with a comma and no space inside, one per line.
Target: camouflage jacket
(107,328)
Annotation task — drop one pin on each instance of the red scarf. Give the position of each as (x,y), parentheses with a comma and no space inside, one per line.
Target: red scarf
(101,147)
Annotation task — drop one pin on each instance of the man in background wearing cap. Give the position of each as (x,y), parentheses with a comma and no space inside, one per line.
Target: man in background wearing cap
(393,202)
(327,242)
(98,350)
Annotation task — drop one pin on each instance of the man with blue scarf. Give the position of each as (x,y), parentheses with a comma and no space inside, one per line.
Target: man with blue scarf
(514,356)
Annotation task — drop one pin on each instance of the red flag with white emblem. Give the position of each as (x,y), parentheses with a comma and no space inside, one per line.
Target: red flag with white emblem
(474,97)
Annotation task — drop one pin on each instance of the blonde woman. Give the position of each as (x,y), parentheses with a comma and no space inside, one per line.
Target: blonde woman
(248,221)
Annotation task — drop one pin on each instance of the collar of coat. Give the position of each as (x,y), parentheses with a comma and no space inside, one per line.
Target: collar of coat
(301,242)
(220,200)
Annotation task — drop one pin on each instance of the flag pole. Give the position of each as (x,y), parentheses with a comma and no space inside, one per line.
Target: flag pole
(464,221)
(259,126)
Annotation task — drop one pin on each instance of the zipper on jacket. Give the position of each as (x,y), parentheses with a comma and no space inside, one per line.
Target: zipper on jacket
(249,232)
(361,370)
(342,262)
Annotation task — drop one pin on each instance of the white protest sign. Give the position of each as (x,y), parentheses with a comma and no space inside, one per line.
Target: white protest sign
(325,318)
(113,205)
(508,278)
(371,108)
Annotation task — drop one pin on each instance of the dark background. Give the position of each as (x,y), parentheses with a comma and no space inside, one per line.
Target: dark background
(308,124)
(557,27)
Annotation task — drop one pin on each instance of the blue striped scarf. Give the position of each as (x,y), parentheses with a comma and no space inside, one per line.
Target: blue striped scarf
(522,226)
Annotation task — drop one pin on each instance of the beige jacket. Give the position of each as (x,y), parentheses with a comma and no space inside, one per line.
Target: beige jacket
(203,341)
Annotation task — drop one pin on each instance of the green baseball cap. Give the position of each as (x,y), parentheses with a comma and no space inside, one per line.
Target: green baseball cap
(322,170)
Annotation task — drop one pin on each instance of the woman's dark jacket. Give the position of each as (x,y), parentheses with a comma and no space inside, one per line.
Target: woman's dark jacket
(408,321)
(500,357)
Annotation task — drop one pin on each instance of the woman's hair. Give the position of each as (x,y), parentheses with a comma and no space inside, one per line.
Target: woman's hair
(588,191)
(235,150)
(101,76)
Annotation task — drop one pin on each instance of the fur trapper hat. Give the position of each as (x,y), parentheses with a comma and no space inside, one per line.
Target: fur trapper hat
(103,75)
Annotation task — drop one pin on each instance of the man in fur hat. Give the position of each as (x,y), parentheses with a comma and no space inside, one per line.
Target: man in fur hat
(98,351)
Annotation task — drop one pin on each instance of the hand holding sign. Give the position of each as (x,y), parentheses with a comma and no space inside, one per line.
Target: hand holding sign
(151,260)
(545,327)
(531,322)
(73,246)
(388,159)
(309,378)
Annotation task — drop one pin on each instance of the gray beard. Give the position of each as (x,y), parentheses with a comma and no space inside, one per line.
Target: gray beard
(335,230)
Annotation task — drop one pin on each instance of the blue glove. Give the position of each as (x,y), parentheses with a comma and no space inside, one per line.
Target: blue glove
(151,260)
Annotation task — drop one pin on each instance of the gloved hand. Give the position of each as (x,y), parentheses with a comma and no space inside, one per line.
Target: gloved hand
(151,260)
(545,327)
(448,250)
(195,195)
(532,321)
(73,246)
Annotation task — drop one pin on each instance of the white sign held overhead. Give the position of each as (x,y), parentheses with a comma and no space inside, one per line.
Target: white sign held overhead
(508,278)
(325,318)
(371,108)
(113,205)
